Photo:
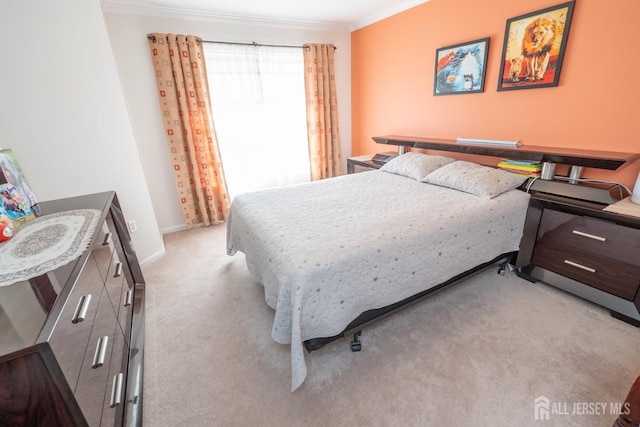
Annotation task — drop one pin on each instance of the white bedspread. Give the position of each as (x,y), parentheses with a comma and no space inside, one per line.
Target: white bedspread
(327,251)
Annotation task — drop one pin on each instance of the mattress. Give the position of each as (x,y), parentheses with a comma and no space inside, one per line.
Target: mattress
(330,250)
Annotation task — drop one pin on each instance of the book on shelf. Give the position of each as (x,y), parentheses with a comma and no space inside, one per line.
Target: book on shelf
(521,172)
(520,168)
(520,165)
(520,162)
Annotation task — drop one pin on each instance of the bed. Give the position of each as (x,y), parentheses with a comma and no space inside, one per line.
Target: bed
(331,251)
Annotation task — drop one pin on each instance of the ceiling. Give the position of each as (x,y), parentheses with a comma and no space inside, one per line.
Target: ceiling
(352,14)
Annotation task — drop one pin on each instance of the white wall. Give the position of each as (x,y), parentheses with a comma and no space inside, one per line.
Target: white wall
(63,113)
(128,32)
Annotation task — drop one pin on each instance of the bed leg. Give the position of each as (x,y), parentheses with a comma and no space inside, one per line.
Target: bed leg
(506,266)
(356,345)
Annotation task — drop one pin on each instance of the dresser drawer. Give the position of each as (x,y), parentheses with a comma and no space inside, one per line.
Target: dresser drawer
(608,275)
(71,335)
(591,235)
(124,307)
(106,239)
(94,375)
(111,267)
(114,400)
(598,253)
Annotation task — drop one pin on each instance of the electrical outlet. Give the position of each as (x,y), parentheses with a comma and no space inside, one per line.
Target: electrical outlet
(133,227)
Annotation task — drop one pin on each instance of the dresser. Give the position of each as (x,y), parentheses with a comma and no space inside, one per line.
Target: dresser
(72,339)
(577,246)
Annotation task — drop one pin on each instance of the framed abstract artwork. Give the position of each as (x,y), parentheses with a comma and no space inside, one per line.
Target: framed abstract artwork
(534,46)
(461,68)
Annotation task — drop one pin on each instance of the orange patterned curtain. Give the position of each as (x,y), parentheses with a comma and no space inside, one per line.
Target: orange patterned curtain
(322,111)
(183,91)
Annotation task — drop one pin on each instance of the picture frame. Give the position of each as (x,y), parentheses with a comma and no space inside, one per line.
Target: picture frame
(11,172)
(534,48)
(16,197)
(461,68)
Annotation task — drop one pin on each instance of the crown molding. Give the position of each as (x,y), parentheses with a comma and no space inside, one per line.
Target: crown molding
(129,8)
(133,8)
(400,7)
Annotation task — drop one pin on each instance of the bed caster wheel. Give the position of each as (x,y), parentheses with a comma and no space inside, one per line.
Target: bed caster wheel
(505,267)
(356,345)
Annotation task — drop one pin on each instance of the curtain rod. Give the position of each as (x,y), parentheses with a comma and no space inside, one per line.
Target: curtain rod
(253,44)
(258,44)
(152,37)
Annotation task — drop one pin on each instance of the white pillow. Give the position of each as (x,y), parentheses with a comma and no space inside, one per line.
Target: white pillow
(473,178)
(415,164)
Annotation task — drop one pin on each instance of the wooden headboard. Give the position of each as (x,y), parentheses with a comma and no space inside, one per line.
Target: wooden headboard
(567,156)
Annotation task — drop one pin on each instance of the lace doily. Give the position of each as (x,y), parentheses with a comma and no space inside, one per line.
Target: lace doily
(46,243)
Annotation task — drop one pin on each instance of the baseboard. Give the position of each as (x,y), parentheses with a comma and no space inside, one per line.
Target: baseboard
(173,229)
(160,254)
(153,257)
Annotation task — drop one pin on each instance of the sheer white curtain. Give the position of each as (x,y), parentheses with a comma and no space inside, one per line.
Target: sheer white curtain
(258,102)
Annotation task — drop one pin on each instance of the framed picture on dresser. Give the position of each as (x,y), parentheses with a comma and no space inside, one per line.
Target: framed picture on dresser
(12,173)
(16,197)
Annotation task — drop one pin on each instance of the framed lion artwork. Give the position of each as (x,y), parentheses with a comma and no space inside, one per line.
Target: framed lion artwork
(534,46)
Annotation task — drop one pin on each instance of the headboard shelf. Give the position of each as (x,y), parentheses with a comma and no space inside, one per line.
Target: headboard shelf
(609,160)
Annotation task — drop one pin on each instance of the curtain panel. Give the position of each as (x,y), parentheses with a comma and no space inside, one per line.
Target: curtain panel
(183,93)
(322,111)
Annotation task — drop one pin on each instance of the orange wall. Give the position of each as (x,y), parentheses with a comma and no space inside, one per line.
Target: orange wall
(595,105)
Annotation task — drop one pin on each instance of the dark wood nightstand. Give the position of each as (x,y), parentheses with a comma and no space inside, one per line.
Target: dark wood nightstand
(367,161)
(579,247)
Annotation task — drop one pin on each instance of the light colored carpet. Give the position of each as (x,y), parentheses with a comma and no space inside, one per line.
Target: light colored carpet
(478,353)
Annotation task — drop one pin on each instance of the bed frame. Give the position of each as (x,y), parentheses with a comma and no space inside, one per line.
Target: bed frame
(371,316)
(574,157)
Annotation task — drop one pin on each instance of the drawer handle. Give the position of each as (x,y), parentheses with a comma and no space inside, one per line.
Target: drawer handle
(107,237)
(82,308)
(118,271)
(580,266)
(128,298)
(590,236)
(116,391)
(101,352)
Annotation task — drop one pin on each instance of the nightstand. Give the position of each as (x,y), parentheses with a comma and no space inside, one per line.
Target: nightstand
(576,246)
(367,161)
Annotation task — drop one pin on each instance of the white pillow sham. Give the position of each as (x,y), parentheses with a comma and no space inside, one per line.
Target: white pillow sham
(415,165)
(483,181)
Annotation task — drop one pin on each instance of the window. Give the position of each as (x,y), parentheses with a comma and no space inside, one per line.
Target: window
(259,112)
